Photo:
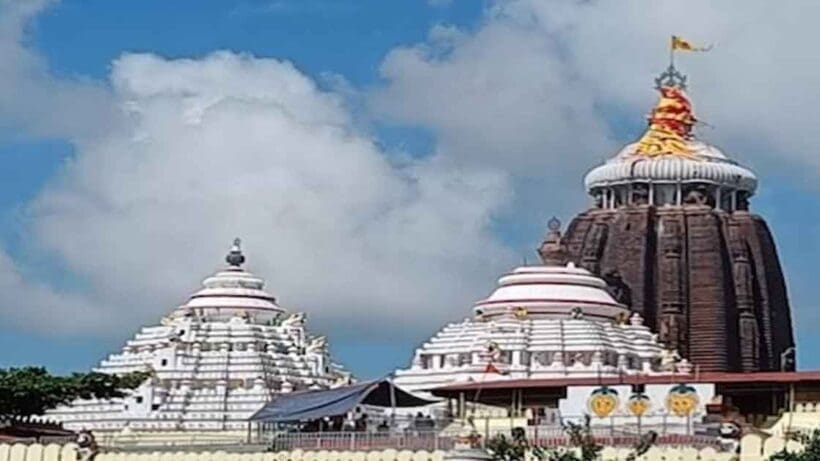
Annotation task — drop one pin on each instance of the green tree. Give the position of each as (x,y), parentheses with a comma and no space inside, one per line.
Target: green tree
(582,446)
(580,439)
(512,448)
(33,390)
(811,449)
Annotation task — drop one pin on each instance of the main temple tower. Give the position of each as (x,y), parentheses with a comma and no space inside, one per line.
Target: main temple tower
(671,228)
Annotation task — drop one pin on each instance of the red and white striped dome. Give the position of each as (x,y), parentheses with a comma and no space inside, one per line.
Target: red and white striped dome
(551,291)
(233,291)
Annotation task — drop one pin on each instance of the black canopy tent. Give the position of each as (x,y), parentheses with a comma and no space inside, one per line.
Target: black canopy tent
(311,405)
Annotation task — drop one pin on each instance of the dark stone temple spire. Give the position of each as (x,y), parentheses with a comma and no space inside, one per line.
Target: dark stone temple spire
(670,222)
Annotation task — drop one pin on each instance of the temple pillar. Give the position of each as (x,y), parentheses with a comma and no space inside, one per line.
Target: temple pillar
(672,320)
(707,316)
(516,358)
(476,358)
(678,194)
(744,299)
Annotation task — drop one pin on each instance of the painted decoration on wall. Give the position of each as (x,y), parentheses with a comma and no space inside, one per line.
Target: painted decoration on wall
(682,400)
(638,404)
(603,401)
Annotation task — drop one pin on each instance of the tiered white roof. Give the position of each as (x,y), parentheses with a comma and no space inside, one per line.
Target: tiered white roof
(214,361)
(550,292)
(541,322)
(705,164)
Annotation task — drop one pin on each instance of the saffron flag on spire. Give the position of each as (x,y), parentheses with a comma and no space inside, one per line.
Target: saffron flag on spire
(679,44)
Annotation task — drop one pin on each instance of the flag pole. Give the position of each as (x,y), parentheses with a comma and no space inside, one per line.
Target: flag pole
(672,52)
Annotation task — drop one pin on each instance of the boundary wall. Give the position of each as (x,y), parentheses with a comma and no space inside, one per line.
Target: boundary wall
(753,447)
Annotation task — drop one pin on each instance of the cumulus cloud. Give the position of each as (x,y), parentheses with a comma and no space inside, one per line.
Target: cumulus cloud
(32,102)
(233,145)
(173,158)
(498,97)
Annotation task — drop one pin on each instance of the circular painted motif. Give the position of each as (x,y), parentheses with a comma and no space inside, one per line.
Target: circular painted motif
(638,404)
(603,401)
(682,400)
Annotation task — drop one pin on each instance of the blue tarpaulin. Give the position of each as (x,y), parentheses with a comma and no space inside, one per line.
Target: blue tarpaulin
(310,405)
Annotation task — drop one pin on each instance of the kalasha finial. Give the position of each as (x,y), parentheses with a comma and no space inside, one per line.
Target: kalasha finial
(553,252)
(235,257)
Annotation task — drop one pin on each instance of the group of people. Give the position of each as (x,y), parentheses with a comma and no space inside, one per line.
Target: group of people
(361,423)
(337,424)
(423,423)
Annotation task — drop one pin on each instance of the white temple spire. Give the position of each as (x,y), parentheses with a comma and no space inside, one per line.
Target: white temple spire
(214,361)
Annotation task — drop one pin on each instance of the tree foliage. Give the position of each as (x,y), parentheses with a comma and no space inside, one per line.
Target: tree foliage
(811,449)
(512,448)
(33,390)
(582,446)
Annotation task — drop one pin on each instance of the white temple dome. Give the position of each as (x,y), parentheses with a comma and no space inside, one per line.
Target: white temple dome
(232,291)
(541,322)
(706,164)
(550,291)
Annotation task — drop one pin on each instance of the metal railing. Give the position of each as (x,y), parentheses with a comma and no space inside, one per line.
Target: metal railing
(358,441)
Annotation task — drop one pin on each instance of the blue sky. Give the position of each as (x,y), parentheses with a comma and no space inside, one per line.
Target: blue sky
(407,79)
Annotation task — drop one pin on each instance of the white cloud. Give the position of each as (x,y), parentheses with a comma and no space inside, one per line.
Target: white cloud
(498,97)
(32,102)
(235,145)
(176,157)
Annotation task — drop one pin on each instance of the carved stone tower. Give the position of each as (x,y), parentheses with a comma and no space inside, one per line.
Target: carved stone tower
(671,220)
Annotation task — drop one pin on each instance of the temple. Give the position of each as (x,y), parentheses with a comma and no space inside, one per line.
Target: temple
(553,323)
(551,320)
(665,286)
(670,224)
(214,361)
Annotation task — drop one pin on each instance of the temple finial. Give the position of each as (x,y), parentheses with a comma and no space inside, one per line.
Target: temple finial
(553,252)
(670,78)
(235,257)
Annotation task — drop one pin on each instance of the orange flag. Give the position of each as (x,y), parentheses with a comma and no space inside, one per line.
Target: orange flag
(679,44)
